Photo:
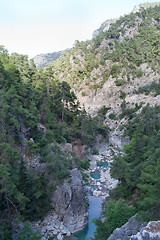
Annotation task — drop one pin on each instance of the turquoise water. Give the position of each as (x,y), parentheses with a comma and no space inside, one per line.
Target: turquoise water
(95,174)
(102,164)
(94,212)
(94,209)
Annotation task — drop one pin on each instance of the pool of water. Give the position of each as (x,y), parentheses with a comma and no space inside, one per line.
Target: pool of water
(94,212)
(102,164)
(95,174)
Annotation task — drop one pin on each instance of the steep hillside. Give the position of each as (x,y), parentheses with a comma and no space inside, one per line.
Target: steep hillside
(112,67)
(97,91)
(40,122)
(138,8)
(42,60)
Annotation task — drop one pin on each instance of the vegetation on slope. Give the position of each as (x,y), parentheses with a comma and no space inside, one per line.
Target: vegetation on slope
(119,52)
(137,170)
(37,113)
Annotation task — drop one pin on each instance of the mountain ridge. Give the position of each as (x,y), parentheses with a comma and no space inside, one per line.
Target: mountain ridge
(41,60)
(106,24)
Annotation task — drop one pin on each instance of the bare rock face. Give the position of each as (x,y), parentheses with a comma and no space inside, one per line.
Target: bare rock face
(70,204)
(136,230)
(127,230)
(143,6)
(150,232)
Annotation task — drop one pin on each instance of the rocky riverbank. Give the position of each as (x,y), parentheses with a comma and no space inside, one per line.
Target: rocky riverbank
(70,209)
(99,173)
(69,201)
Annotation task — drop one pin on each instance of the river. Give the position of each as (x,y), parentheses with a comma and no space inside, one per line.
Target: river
(100,184)
(94,212)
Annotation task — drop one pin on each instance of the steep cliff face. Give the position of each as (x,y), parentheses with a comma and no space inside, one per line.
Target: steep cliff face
(104,26)
(70,204)
(113,66)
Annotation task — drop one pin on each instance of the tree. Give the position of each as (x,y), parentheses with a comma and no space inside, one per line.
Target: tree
(27,233)
(114,215)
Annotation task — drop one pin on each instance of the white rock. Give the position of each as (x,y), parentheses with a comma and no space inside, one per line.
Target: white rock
(55,232)
(98,184)
(97,193)
(68,234)
(60,236)
(50,228)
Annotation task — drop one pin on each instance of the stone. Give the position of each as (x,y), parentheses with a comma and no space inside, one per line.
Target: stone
(98,184)
(55,232)
(149,232)
(66,147)
(130,228)
(64,230)
(60,236)
(97,193)
(68,234)
(70,204)
(50,228)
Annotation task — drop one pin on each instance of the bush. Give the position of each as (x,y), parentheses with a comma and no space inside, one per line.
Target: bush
(95,152)
(139,73)
(115,70)
(112,115)
(114,215)
(27,233)
(119,82)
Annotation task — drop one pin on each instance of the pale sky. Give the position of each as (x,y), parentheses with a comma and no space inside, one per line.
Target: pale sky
(41,26)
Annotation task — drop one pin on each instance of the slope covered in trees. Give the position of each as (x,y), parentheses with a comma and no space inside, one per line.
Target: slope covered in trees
(137,170)
(37,113)
(120,52)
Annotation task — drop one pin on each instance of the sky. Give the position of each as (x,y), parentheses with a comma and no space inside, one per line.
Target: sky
(41,26)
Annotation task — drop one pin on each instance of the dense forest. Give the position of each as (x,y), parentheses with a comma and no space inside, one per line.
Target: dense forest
(37,113)
(138,171)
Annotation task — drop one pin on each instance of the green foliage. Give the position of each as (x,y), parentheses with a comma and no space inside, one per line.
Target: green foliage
(119,82)
(95,151)
(139,73)
(102,111)
(5,231)
(140,163)
(86,128)
(152,88)
(129,112)
(57,163)
(30,98)
(26,233)
(114,215)
(115,70)
(112,116)
(122,95)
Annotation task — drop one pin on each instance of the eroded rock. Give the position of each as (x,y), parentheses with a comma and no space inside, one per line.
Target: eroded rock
(70,204)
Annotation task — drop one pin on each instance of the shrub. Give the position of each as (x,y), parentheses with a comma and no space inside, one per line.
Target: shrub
(112,115)
(119,82)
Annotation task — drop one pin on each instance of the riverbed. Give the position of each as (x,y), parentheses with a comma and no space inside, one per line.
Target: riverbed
(94,212)
(100,184)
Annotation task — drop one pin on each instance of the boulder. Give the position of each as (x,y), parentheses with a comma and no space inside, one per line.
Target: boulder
(150,232)
(127,230)
(70,204)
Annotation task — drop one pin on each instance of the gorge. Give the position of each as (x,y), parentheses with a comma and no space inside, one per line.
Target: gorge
(83,130)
